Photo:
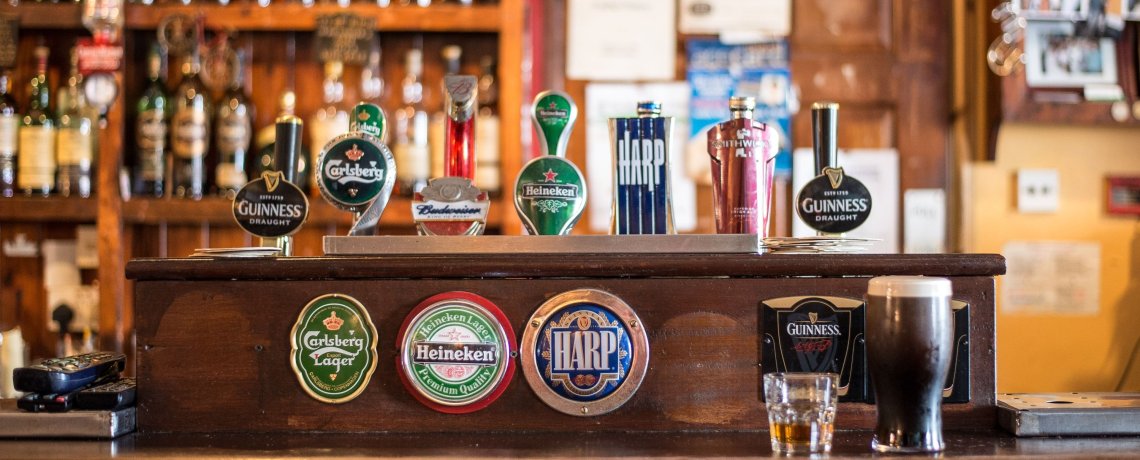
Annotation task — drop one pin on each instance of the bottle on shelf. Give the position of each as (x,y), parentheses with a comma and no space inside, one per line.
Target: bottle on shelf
(151,127)
(234,127)
(75,137)
(331,120)
(411,131)
(36,165)
(452,55)
(420,3)
(487,175)
(190,136)
(372,80)
(9,128)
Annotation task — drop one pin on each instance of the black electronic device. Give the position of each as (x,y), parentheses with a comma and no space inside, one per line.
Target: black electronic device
(65,375)
(107,396)
(33,402)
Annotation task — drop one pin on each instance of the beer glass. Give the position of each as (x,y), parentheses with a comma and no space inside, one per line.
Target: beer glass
(909,340)
(801,410)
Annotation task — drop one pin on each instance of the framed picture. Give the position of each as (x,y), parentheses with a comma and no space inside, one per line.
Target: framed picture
(1055,58)
(1129,9)
(1054,9)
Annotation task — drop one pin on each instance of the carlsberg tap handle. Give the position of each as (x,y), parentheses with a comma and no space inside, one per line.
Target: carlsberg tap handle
(554,114)
(370,119)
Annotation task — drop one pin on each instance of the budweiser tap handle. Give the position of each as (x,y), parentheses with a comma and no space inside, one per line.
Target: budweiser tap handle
(287,144)
(824,123)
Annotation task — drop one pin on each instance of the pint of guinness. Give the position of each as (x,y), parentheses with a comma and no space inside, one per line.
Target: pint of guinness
(909,347)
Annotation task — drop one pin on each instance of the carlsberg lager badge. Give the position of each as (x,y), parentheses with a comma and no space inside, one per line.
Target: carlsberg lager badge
(455,352)
(584,352)
(333,348)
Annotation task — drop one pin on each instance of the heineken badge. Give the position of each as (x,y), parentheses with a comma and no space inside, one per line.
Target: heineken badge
(550,195)
(834,202)
(450,206)
(456,352)
(584,352)
(334,348)
(270,206)
(356,173)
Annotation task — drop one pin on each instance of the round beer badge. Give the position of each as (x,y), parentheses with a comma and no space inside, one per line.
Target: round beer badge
(585,352)
(354,169)
(834,202)
(333,348)
(455,352)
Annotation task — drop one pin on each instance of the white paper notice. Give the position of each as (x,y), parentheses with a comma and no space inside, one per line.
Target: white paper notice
(924,221)
(606,100)
(733,17)
(878,169)
(621,40)
(1051,277)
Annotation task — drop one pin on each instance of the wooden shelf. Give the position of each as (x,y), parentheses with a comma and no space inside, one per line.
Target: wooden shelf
(46,15)
(292,16)
(216,210)
(52,209)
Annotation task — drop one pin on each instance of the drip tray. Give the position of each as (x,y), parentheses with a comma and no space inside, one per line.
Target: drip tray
(1056,414)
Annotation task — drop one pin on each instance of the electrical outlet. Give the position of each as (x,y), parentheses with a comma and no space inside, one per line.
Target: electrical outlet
(1038,190)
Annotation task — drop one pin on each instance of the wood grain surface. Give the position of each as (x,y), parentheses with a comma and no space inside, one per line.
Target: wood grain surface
(213,351)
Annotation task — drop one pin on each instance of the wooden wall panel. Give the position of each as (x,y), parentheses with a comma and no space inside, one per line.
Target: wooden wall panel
(863,126)
(846,24)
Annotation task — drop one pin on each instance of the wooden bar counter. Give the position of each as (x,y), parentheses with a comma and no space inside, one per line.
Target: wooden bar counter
(213,347)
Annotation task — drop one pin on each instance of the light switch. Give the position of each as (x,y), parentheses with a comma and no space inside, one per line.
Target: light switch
(1038,190)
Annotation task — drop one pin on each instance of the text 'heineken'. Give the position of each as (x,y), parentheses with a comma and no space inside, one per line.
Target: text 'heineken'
(456,352)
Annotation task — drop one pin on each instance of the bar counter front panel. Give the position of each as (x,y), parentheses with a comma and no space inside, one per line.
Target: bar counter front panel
(213,336)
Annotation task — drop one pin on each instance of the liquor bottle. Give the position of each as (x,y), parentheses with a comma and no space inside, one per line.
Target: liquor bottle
(191,131)
(451,55)
(420,3)
(742,151)
(36,158)
(487,129)
(9,128)
(331,120)
(150,131)
(372,81)
(411,131)
(75,137)
(234,127)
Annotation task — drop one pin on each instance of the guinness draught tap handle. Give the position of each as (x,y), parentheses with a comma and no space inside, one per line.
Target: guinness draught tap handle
(554,114)
(824,123)
(287,145)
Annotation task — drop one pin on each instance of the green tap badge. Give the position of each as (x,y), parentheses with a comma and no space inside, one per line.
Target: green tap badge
(550,192)
(334,348)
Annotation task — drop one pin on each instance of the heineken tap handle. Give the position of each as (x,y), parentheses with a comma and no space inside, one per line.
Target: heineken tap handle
(554,114)
(824,123)
(459,159)
(287,145)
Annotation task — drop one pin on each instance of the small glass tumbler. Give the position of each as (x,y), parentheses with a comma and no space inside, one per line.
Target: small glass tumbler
(801,411)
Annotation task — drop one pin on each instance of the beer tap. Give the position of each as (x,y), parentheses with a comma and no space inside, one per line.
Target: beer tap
(453,205)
